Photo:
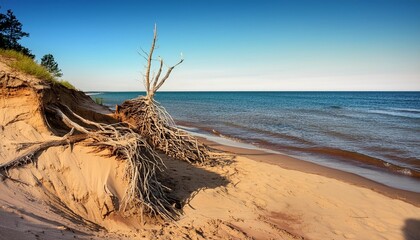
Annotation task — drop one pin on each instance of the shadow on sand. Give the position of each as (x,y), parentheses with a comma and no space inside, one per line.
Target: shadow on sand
(411,229)
(185,180)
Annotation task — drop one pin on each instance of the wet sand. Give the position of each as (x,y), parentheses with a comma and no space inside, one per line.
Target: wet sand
(292,163)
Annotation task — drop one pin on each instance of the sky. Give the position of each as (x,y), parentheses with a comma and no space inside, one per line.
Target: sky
(350,45)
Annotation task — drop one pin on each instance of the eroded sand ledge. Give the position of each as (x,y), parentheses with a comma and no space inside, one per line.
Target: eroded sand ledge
(247,199)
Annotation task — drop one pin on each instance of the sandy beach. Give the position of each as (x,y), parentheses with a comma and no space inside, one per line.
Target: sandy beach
(343,205)
(210,120)
(75,191)
(249,199)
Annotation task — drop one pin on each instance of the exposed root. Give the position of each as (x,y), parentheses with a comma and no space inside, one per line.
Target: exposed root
(155,124)
(145,192)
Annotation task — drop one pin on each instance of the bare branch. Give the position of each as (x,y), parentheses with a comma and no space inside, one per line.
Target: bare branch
(153,77)
(155,81)
(167,75)
(149,60)
(144,56)
(144,52)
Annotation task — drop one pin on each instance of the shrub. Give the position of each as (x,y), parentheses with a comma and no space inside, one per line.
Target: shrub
(99,101)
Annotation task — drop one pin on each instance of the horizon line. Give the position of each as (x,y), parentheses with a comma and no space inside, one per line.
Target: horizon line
(95,91)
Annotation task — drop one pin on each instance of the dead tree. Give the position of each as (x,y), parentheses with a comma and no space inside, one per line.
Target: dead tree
(154,123)
(145,194)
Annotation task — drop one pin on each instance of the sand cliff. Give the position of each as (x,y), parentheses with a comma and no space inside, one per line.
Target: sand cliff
(68,178)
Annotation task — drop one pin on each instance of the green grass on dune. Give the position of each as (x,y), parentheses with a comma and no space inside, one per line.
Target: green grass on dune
(27,65)
(66,84)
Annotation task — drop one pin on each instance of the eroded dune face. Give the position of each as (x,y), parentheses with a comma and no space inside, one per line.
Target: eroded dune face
(75,180)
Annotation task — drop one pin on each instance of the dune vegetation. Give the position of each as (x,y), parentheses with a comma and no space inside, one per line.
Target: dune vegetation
(23,63)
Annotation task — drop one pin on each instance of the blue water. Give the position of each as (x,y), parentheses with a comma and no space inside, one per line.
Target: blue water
(377,132)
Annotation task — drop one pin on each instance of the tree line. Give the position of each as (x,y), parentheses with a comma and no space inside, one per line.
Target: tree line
(11,32)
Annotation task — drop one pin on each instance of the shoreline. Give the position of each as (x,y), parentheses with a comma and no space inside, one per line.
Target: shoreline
(392,175)
(293,163)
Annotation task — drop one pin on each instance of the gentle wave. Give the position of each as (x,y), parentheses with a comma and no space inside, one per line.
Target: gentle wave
(333,153)
(270,133)
(407,110)
(93,93)
(406,114)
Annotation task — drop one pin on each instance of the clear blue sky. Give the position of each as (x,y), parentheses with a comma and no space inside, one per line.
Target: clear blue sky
(230,45)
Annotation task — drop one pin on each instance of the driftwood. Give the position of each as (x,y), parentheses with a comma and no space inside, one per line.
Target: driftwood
(154,123)
(31,149)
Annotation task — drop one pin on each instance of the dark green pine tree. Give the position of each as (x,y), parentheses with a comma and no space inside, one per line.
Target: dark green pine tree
(11,32)
(51,65)
(3,41)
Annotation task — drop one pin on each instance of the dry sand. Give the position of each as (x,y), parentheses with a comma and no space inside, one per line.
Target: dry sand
(71,192)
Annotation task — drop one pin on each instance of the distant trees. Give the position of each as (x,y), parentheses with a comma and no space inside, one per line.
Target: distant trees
(11,32)
(51,65)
